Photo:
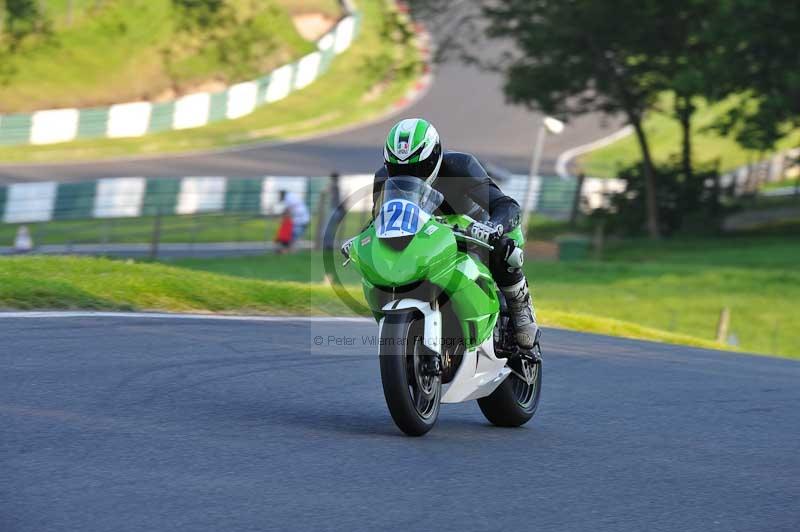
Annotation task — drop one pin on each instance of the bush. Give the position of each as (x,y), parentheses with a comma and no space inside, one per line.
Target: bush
(688,205)
(194,14)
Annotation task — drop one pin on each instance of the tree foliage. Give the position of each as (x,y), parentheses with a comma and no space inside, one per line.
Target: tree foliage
(239,38)
(569,57)
(21,19)
(200,14)
(758,46)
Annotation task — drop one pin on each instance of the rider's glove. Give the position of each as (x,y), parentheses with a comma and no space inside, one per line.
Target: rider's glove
(486,232)
(347,246)
(512,254)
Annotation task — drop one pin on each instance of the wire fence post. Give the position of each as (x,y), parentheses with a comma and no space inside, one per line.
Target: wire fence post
(321,220)
(576,201)
(723,324)
(156,236)
(105,235)
(268,232)
(599,240)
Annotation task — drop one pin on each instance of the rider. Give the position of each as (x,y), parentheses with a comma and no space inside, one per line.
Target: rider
(413,148)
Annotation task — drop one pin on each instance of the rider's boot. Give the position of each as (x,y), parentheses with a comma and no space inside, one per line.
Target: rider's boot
(520,307)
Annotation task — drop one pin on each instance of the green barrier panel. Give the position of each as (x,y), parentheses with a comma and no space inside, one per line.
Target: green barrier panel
(328,55)
(3,194)
(263,85)
(314,189)
(294,75)
(573,248)
(556,196)
(161,196)
(74,201)
(161,117)
(327,59)
(243,195)
(219,106)
(92,123)
(15,129)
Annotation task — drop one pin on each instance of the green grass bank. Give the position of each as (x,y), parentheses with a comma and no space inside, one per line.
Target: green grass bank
(34,283)
(664,134)
(100,53)
(674,291)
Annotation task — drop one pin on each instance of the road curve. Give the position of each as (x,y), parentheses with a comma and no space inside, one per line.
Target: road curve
(467,106)
(159,424)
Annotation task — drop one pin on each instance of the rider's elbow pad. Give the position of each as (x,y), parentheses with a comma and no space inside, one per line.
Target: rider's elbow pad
(506,213)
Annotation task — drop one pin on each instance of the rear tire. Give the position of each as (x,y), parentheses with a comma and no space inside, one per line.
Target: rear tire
(413,399)
(514,402)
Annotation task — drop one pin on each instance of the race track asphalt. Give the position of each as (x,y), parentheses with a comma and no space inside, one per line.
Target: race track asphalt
(467,105)
(167,424)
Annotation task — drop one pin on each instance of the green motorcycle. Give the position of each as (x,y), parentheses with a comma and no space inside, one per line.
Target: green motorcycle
(445,334)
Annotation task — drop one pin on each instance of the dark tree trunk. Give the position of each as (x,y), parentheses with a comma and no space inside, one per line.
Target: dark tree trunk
(651,191)
(685,110)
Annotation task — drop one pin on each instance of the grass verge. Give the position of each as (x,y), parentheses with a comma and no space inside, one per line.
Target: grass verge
(103,284)
(664,134)
(30,283)
(379,68)
(641,289)
(671,293)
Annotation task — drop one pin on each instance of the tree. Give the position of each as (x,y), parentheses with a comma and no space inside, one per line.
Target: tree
(577,57)
(570,57)
(757,42)
(689,62)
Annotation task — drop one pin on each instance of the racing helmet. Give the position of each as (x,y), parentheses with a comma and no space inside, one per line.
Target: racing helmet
(413,148)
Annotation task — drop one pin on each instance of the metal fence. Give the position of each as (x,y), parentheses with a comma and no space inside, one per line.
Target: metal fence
(149,216)
(751,178)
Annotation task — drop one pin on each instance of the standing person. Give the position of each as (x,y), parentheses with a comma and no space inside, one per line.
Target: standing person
(297,210)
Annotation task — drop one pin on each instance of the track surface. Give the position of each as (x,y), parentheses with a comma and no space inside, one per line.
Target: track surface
(147,424)
(467,106)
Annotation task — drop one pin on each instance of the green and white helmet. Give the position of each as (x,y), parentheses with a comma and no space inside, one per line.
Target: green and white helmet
(413,148)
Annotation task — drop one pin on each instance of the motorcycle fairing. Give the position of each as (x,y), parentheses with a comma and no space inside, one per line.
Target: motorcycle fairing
(432,256)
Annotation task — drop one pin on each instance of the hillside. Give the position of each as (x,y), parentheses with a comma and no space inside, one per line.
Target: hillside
(99,52)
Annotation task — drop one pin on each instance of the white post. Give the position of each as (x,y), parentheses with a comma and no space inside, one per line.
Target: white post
(534,172)
(23,242)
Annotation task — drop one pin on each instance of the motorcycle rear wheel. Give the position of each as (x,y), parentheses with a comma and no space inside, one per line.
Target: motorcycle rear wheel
(515,401)
(412,396)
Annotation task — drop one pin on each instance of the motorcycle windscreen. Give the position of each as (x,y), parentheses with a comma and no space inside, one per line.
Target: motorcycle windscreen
(407,204)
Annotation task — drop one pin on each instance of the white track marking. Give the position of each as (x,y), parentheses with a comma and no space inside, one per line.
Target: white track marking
(167,316)
(564,159)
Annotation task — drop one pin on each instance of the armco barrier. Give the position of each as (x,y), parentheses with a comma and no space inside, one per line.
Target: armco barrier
(132,197)
(136,119)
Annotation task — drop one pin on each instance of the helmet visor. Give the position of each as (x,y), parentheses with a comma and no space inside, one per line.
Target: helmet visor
(425,169)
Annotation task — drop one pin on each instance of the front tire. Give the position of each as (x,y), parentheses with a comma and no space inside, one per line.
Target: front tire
(515,401)
(413,398)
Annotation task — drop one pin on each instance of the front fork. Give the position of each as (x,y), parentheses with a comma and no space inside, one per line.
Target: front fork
(432,320)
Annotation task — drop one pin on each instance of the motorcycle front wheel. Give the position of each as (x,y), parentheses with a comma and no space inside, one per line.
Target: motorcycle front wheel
(413,393)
